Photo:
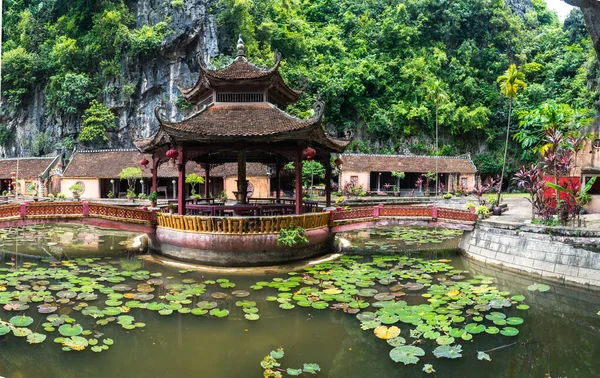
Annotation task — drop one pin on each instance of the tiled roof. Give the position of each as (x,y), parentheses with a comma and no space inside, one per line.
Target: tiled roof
(239,120)
(404,163)
(241,69)
(108,164)
(29,168)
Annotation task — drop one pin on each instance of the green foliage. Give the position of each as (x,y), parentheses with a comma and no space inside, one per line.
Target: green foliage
(194,180)
(131,174)
(152,197)
(19,69)
(68,92)
(311,170)
(76,188)
(482,209)
(5,135)
(147,39)
(97,119)
(292,236)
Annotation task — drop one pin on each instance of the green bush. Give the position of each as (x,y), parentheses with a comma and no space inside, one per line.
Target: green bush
(97,119)
(292,236)
(482,209)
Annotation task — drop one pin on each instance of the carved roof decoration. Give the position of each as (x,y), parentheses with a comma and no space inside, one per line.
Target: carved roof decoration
(241,73)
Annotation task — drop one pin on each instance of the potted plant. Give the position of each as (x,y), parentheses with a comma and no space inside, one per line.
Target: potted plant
(471,205)
(110,195)
(482,211)
(61,196)
(131,174)
(152,197)
(130,194)
(51,197)
(171,208)
(76,189)
(447,196)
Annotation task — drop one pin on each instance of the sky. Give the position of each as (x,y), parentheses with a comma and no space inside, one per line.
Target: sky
(559,7)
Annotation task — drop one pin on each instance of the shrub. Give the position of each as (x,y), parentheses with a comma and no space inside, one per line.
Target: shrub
(153,197)
(76,188)
(142,196)
(482,209)
(97,119)
(470,205)
(61,196)
(110,194)
(130,193)
(131,174)
(292,236)
(447,196)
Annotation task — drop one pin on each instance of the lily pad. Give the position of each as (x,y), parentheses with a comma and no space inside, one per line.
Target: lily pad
(407,354)
(21,321)
(448,351)
(383,332)
(509,331)
(36,338)
(70,330)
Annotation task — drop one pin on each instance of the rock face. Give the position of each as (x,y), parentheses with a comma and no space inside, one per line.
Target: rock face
(591,15)
(193,31)
(520,7)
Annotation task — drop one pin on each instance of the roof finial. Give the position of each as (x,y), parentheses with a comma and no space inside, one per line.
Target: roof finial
(240,47)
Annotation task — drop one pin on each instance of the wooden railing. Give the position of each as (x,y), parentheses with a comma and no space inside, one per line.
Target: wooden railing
(241,225)
(45,209)
(10,211)
(404,211)
(354,213)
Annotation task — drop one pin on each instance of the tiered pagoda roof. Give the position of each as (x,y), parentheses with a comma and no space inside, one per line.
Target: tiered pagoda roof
(242,104)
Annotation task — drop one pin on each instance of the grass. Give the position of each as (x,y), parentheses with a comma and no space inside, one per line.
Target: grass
(515,195)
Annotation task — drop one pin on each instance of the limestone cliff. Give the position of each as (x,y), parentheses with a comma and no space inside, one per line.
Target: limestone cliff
(192,30)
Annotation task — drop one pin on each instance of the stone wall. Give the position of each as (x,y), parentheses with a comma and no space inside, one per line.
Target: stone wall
(556,256)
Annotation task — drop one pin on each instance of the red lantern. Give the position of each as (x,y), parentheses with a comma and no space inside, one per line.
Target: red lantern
(172,154)
(309,153)
(338,162)
(144,162)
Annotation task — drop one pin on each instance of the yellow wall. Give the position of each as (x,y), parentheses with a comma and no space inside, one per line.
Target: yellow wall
(261,186)
(92,187)
(363,178)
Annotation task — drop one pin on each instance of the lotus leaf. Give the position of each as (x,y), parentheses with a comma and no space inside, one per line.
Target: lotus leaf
(108,341)
(36,338)
(523,307)
(474,328)
(311,368)
(444,340)
(287,306)
(21,320)
(21,331)
(165,311)
(70,330)
(538,287)
(514,321)
(388,319)
(407,354)
(448,351)
(383,332)
(509,331)
(77,343)
(219,313)
(293,372)
(251,316)
(319,305)
(492,330)
(482,356)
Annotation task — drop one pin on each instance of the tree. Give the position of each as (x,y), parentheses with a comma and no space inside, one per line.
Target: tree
(131,174)
(193,179)
(399,176)
(436,92)
(96,120)
(510,83)
(310,170)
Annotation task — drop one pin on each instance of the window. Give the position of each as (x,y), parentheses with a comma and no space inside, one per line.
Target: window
(354,180)
(240,97)
(463,181)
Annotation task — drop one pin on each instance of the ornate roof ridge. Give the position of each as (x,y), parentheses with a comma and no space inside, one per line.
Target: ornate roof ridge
(96,151)
(29,158)
(463,156)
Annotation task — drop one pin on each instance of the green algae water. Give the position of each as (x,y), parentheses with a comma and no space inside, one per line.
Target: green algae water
(326,313)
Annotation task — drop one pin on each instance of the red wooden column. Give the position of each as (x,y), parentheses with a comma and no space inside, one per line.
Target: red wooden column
(181,182)
(154,172)
(298,165)
(327,164)
(206,180)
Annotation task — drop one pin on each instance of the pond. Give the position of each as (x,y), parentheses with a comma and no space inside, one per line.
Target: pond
(223,325)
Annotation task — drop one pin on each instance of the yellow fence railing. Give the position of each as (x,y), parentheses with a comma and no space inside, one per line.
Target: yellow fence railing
(241,225)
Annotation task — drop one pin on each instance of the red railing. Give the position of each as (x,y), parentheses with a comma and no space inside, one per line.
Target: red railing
(9,211)
(77,209)
(355,213)
(404,211)
(463,215)
(120,212)
(54,208)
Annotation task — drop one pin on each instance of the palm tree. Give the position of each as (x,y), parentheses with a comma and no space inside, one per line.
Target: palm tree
(436,92)
(510,83)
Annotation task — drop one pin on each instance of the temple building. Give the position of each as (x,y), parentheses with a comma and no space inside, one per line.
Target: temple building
(373,173)
(240,116)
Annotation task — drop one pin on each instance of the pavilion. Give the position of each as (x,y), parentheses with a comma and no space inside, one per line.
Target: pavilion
(240,116)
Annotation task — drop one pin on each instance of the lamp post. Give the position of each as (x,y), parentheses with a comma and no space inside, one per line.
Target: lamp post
(112,183)
(174,182)
(142,183)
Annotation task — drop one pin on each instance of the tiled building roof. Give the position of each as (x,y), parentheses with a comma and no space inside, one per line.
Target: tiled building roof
(108,163)
(405,163)
(28,168)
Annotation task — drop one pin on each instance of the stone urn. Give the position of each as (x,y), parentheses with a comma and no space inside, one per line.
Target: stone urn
(497,210)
